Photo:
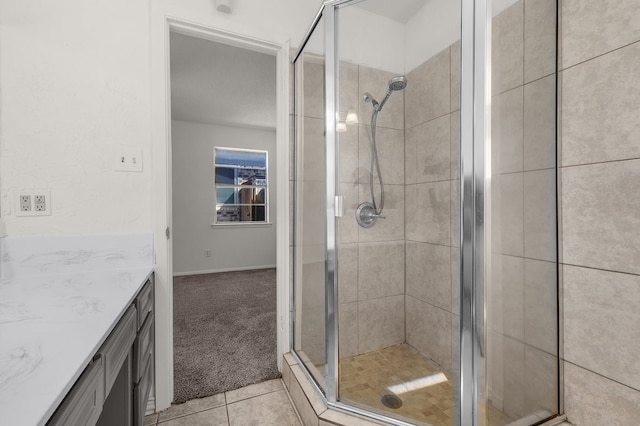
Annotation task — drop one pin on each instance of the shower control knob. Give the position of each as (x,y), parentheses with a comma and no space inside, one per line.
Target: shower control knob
(366,215)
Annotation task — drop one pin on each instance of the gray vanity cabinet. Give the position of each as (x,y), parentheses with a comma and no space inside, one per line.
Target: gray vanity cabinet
(83,403)
(143,353)
(115,387)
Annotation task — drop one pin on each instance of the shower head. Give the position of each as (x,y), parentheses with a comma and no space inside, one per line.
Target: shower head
(397,83)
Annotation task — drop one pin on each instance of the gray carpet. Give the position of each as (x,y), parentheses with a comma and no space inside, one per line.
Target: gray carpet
(224,329)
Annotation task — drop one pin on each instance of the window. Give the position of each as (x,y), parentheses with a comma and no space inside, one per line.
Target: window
(240,186)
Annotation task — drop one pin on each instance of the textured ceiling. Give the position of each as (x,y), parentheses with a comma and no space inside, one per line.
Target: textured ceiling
(398,10)
(220,84)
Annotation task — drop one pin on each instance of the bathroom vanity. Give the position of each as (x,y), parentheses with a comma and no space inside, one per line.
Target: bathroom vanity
(76,330)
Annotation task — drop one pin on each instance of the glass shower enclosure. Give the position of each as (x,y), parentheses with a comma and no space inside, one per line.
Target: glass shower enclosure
(424,245)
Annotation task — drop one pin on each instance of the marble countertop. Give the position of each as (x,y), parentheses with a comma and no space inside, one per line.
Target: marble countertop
(56,310)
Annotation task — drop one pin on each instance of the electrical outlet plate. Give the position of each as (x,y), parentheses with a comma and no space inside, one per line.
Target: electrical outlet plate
(127,159)
(33,202)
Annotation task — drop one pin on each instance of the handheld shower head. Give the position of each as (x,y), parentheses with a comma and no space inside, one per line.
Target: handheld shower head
(396,84)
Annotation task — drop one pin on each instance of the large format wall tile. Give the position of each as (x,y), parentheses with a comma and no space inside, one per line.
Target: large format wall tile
(390,148)
(381,269)
(455,281)
(541,390)
(432,141)
(392,226)
(539,38)
(593,400)
(514,377)
(507,214)
(427,212)
(455,76)
(541,305)
(601,224)
(348,329)
(455,213)
(310,216)
(429,331)
(600,104)
(428,90)
(349,154)
(311,149)
(601,320)
(507,131)
(347,225)
(507,49)
(540,215)
(540,124)
(380,322)
(507,296)
(589,29)
(313,89)
(348,89)
(348,273)
(455,145)
(376,82)
(428,273)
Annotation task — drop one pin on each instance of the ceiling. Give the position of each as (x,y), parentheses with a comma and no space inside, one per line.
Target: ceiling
(398,10)
(221,84)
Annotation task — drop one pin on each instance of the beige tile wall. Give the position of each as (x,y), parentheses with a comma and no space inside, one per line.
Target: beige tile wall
(431,191)
(522,295)
(371,274)
(600,201)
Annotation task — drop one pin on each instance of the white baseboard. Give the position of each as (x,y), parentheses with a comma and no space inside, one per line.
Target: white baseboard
(213,271)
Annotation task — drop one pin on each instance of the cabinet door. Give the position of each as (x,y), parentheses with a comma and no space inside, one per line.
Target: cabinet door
(83,404)
(143,347)
(118,345)
(141,393)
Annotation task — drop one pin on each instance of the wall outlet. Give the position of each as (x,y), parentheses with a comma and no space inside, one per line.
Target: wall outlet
(25,203)
(33,202)
(127,159)
(207,253)
(40,203)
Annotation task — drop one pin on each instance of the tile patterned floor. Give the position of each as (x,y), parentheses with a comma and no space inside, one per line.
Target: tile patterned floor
(264,403)
(364,380)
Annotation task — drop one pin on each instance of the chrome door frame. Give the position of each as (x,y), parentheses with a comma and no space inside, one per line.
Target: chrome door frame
(475,85)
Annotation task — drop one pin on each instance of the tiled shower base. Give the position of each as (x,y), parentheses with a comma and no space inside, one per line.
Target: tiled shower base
(364,380)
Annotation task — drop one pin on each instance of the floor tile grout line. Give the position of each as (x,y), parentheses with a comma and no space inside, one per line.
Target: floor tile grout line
(254,396)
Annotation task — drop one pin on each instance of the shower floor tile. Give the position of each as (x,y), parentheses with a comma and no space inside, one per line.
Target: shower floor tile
(365,378)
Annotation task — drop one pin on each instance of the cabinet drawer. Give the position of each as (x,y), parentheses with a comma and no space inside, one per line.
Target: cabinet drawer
(144,302)
(143,347)
(83,404)
(141,393)
(118,346)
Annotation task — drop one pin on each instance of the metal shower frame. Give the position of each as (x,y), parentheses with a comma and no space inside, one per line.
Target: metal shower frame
(475,143)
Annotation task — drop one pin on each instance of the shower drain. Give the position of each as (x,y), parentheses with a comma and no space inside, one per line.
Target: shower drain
(391,401)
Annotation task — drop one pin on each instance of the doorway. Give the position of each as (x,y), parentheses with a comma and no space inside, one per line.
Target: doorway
(224,218)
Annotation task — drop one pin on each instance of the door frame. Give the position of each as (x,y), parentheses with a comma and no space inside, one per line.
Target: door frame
(162,189)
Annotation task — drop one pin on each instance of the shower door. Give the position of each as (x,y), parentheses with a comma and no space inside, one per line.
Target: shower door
(425,278)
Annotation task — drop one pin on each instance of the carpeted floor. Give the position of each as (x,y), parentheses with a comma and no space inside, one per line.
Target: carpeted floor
(224,329)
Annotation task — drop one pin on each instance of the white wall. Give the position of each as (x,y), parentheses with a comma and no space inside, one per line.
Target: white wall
(74,83)
(237,247)
(435,27)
